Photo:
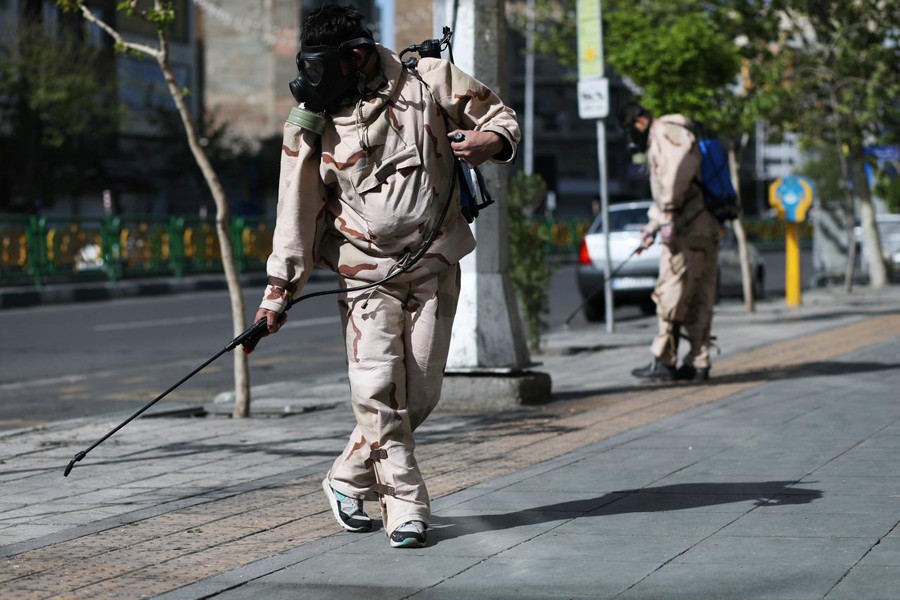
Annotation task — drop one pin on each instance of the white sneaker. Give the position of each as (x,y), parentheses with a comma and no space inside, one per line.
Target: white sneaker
(347,511)
(409,535)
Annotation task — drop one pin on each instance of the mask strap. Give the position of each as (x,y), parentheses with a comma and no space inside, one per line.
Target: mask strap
(355,42)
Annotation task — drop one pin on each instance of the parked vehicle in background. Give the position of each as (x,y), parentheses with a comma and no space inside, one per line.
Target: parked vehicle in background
(635,279)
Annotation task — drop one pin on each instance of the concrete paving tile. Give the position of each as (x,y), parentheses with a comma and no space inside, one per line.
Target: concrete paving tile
(833,503)
(761,523)
(739,470)
(678,440)
(396,571)
(609,548)
(868,583)
(738,581)
(885,553)
(723,483)
(25,532)
(323,591)
(551,578)
(672,523)
(699,499)
(588,478)
(448,592)
(886,439)
(802,552)
(543,501)
(845,466)
(851,485)
(468,533)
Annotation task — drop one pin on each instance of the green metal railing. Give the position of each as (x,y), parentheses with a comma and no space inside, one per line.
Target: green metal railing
(40,250)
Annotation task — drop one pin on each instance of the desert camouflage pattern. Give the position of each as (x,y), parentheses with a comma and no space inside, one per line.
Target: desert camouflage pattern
(397,341)
(360,200)
(374,190)
(686,289)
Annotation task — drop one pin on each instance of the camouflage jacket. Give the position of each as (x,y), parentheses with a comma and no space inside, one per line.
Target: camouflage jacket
(674,162)
(372,187)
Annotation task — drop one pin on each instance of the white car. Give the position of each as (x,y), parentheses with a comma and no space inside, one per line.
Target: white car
(635,274)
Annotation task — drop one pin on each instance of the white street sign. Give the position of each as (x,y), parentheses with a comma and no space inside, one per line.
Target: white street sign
(593,98)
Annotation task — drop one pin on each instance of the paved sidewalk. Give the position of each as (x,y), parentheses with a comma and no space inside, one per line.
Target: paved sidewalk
(777,479)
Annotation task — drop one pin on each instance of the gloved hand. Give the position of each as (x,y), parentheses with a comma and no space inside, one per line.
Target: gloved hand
(274,304)
(667,233)
(647,239)
(475,147)
(274,320)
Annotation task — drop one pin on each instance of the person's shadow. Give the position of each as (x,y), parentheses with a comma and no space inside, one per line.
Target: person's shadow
(680,496)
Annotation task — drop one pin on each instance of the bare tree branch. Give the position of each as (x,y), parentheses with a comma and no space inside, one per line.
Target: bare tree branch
(143,49)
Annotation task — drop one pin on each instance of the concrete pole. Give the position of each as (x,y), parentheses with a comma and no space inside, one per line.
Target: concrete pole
(528,130)
(488,332)
(488,362)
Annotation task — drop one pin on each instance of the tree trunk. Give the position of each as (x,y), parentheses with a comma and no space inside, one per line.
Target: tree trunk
(878,276)
(223,212)
(223,220)
(743,252)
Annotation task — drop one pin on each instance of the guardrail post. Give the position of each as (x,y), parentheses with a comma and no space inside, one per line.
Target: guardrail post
(176,246)
(36,241)
(110,232)
(237,244)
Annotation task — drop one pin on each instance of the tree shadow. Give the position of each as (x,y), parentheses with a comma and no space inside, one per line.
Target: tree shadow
(665,498)
(810,369)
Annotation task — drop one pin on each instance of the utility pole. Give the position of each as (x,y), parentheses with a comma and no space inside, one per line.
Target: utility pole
(489,356)
(593,103)
(528,133)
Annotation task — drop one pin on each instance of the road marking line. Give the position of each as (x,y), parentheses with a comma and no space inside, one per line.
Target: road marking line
(202,319)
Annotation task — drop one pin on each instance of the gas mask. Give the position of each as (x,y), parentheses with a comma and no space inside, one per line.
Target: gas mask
(322,85)
(637,140)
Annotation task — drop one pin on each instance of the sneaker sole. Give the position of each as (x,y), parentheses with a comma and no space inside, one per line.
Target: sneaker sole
(336,510)
(408,543)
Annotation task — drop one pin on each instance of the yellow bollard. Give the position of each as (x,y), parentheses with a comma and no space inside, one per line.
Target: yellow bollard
(793,293)
(791,197)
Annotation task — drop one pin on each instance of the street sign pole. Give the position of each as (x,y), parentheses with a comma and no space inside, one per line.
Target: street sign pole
(593,103)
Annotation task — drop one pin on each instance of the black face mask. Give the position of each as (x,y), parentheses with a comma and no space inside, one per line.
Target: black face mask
(321,84)
(637,139)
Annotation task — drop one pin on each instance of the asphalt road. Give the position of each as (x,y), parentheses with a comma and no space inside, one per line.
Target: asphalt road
(74,360)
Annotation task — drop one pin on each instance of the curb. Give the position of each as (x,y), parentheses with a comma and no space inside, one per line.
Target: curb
(26,296)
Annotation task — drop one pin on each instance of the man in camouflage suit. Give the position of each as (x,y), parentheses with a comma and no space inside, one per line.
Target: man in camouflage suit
(361,199)
(686,288)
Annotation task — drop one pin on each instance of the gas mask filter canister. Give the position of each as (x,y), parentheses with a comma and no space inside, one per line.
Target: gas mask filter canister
(321,84)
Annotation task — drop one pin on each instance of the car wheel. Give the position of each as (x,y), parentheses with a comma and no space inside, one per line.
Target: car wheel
(594,311)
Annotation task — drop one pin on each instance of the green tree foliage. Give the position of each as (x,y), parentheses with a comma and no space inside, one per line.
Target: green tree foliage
(679,59)
(888,189)
(843,79)
(823,166)
(843,72)
(54,107)
(529,271)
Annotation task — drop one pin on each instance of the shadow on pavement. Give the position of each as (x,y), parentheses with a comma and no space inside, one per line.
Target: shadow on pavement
(811,369)
(683,496)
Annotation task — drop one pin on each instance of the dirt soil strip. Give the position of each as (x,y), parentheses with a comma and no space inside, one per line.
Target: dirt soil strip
(164,552)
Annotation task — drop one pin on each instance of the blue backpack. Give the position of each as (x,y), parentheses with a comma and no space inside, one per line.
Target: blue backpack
(715,177)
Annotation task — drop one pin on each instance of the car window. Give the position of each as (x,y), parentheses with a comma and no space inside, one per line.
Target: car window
(631,219)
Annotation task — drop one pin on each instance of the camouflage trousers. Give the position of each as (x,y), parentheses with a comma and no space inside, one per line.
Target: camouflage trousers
(397,339)
(685,294)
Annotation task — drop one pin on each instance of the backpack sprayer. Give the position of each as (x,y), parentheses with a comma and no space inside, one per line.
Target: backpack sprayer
(250,337)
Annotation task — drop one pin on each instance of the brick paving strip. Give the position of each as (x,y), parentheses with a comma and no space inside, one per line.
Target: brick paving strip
(162,552)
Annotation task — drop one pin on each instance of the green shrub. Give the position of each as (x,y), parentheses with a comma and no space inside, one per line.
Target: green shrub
(528,269)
